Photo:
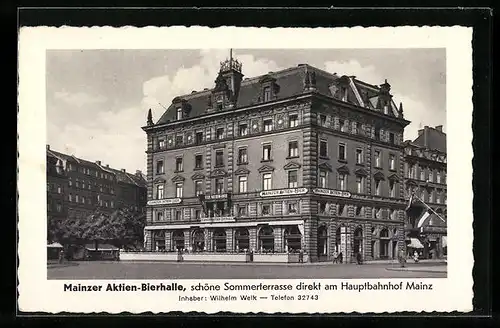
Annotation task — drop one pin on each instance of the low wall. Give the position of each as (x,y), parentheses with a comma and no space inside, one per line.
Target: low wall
(270,258)
(214,257)
(147,256)
(211,257)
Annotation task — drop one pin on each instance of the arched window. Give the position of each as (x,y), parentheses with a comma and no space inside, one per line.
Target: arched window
(266,239)
(337,239)
(198,241)
(178,239)
(219,238)
(159,241)
(384,243)
(242,238)
(293,239)
(322,241)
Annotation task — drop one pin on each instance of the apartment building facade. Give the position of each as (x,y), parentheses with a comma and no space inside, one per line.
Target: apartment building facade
(298,160)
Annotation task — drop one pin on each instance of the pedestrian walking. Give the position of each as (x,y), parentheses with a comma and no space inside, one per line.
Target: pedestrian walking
(415,257)
(402,258)
(61,256)
(359,260)
(301,256)
(341,257)
(335,257)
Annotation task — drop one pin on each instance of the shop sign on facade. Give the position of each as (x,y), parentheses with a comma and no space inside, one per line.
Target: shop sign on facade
(216,219)
(216,196)
(165,201)
(332,192)
(434,230)
(283,192)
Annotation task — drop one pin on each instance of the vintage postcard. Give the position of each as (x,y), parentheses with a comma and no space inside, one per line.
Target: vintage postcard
(245,170)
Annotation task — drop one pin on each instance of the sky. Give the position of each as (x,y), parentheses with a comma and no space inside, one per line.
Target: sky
(97,100)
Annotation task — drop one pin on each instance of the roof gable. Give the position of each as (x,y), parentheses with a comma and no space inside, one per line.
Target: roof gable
(291,166)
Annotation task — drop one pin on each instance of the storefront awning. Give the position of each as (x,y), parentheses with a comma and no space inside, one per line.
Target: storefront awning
(415,243)
(54,245)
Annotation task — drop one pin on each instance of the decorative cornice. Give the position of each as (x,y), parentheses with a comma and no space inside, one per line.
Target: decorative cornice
(343,169)
(178,178)
(361,172)
(393,177)
(325,166)
(159,180)
(379,176)
(218,173)
(242,171)
(291,166)
(198,176)
(266,168)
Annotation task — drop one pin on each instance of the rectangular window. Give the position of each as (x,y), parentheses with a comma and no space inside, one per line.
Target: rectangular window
(76,198)
(359,184)
(422,173)
(159,216)
(58,207)
(160,191)
(266,152)
(242,210)
(293,121)
(243,130)
(160,169)
(178,164)
(431,196)
(83,199)
(242,156)
(268,125)
(267,93)
(322,207)
(179,113)
(197,214)
(293,149)
(161,143)
(323,148)
(178,190)
(322,120)
(292,208)
(219,186)
(358,210)
(199,137)
(323,179)
(219,134)
(70,183)
(342,181)
(112,204)
(377,134)
(354,128)
(342,152)
(392,138)
(392,162)
(219,158)
(242,184)
(198,161)
(267,181)
(359,156)
(198,188)
(392,188)
(179,140)
(438,196)
(438,177)
(377,158)
(431,176)
(266,209)
(59,189)
(292,179)
(178,215)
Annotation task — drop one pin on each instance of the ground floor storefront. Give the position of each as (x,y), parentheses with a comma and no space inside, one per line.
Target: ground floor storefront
(319,239)
(428,246)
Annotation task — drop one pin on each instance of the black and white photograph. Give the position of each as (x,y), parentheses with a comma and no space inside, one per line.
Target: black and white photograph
(225,165)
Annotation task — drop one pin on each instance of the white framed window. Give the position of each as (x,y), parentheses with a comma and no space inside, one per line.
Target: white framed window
(323,179)
(268,125)
(266,209)
(422,173)
(198,187)
(267,93)
(392,188)
(438,177)
(178,215)
(219,158)
(359,184)
(431,176)
(242,210)
(322,120)
(342,181)
(77,198)
(292,179)
(392,161)
(242,156)
(378,187)
(160,191)
(377,156)
(160,168)
(242,184)
(179,167)
(359,156)
(219,186)
(293,149)
(198,161)
(219,133)
(266,152)
(431,196)
(267,179)
(243,129)
(293,120)
(83,199)
(179,113)
(159,216)
(342,152)
(293,208)
(179,190)
(161,143)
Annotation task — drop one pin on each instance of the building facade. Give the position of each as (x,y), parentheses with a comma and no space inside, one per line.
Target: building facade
(298,160)
(77,187)
(425,178)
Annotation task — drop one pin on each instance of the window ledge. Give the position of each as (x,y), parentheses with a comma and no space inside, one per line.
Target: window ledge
(324,157)
(360,164)
(242,163)
(393,170)
(342,161)
(220,165)
(160,173)
(198,168)
(178,171)
(292,157)
(266,160)
(378,167)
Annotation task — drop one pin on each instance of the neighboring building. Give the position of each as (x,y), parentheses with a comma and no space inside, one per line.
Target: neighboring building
(299,159)
(425,177)
(77,187)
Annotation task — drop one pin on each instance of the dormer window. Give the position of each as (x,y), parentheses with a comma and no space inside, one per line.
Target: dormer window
(267,94)
(179,113)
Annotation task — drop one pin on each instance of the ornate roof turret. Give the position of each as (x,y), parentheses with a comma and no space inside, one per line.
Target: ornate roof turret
(150,118)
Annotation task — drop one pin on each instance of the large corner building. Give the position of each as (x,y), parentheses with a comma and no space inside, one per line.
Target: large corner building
(298,160)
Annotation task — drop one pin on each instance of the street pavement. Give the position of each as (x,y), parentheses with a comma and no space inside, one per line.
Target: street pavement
(185,270)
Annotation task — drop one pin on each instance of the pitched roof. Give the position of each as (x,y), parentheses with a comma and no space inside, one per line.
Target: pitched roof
(431,138)
(291,83)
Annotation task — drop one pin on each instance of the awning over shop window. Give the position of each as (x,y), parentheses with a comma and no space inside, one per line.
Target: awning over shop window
(444,240)
(55,245)
(415,243)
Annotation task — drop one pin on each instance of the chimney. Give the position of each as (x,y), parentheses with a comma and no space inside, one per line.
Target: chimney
(420,132)
(107,165)
(98,162)
(439,128)
(47,147)
(124,171)
(138,172)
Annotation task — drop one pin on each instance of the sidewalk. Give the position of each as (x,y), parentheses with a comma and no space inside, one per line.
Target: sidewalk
(328,263)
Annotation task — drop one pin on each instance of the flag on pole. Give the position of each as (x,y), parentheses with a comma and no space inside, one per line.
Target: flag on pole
(409,202)
(423,218)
